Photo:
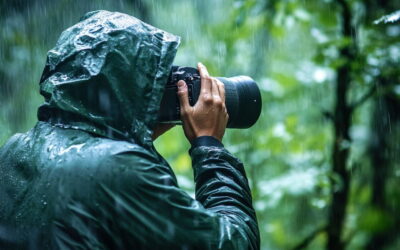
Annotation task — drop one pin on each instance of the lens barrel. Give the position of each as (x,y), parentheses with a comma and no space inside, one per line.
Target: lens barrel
(242,100)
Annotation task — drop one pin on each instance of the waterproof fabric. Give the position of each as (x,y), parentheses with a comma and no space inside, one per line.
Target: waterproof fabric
(87,175)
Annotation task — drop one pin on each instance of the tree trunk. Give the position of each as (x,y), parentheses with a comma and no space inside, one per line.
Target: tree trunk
(341,143)
(386,121)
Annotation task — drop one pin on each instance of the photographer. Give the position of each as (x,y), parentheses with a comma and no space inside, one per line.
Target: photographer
(87,176)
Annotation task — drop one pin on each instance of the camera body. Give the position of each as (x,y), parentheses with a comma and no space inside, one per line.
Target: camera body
(170,106)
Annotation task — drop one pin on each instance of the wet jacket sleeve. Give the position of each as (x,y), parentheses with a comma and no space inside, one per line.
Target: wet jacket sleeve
(222,188)
(154,211)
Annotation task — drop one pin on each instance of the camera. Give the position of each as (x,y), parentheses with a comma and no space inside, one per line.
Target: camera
(242,97)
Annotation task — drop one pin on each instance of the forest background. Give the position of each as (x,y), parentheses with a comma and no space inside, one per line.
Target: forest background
(322,161)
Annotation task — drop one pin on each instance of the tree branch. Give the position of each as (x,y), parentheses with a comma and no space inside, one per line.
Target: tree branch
(306,241)
(364,98)
(328,115)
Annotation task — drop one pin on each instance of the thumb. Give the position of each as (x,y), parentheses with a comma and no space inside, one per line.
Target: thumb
(183,95)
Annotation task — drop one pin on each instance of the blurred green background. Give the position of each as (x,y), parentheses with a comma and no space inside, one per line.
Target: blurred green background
(323,161)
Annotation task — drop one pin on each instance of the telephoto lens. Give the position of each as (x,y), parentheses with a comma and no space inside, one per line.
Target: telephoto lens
(242,97)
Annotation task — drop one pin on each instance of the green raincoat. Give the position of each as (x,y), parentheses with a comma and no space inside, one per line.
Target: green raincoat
(87,176)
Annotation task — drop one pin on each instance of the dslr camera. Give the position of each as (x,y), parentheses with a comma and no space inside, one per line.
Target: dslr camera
(242,97)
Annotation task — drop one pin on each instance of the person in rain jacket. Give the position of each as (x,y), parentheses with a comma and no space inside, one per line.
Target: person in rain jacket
(87,176)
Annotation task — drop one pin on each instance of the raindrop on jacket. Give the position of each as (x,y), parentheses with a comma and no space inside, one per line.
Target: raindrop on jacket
(87,176)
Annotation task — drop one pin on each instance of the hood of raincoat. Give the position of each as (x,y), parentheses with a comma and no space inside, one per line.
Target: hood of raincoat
(106,75)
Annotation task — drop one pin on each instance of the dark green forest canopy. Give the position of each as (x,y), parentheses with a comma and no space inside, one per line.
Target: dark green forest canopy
(322,160)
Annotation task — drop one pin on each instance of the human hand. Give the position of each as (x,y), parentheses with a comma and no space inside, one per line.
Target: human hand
(208,117)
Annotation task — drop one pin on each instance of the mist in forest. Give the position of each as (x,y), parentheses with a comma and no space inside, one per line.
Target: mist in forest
(323,160)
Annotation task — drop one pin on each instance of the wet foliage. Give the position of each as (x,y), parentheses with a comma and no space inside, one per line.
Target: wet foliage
(323,160)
